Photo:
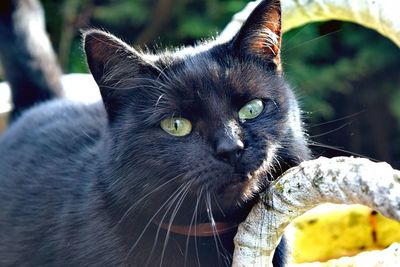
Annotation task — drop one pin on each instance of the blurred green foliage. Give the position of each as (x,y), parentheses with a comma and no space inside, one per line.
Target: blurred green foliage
(333,57)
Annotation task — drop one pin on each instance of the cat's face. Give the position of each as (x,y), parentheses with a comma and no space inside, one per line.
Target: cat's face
(201,129)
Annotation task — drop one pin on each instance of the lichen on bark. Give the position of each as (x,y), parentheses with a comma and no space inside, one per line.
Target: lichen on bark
(342,180)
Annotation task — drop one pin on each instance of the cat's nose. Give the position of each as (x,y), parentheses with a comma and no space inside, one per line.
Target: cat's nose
(229,149)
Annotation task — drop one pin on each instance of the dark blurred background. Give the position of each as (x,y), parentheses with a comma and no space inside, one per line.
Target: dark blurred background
(347,77)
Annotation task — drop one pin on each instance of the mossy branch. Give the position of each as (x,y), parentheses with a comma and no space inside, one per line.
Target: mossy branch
(381,16)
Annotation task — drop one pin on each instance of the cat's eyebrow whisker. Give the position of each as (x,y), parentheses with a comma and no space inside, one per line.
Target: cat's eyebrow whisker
(174,79)
(311,40)
(288,41)
(132,87)
(159,99)
(123,84)
(154,81)
(162,73)
(137,79)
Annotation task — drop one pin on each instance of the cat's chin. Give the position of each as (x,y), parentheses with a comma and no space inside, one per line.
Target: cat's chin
(241,191)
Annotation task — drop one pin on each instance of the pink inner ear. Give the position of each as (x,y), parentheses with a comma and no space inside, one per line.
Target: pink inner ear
(267,41)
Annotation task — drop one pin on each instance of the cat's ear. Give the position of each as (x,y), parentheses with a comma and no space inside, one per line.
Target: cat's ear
(260,36)
(111,62)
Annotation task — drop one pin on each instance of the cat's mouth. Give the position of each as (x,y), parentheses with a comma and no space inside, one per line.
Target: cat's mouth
(225,209)
(242,189)
(228,199)
(245,185)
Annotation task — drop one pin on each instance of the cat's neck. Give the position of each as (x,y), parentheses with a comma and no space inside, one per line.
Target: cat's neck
(198,230)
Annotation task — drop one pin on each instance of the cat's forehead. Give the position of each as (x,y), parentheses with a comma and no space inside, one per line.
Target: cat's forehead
(206,74)
(210,83)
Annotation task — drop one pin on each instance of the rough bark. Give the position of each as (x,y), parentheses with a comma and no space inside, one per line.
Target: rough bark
(342,180)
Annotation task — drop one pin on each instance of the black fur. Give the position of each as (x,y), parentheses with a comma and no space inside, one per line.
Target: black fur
(88,186)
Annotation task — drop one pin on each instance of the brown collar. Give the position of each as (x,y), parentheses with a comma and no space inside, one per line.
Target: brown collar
(199,230)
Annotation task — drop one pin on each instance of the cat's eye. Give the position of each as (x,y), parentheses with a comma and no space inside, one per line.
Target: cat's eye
(176,126)
(251,110)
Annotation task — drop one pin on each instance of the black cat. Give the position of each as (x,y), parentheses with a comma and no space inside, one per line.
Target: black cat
(161,172)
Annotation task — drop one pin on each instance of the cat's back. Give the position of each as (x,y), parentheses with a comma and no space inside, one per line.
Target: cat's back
(58,129)
(51,145)
(46,162)
(51,138)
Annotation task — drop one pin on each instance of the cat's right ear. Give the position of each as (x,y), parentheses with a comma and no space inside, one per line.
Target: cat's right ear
(260,36)
(111,61)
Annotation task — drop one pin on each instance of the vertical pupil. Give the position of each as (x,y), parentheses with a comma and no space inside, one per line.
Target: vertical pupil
(251,109)
(176,125)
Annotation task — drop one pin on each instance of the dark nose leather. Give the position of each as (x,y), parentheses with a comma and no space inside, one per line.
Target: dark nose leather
(228,149)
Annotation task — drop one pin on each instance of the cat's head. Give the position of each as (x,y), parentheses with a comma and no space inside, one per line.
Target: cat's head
(202,127)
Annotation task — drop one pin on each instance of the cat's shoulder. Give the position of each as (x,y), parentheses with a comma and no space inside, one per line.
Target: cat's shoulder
(57,121)
(63,110)
(54,141)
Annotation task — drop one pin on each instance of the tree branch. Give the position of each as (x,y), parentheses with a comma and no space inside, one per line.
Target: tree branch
(339,180)
(381,16)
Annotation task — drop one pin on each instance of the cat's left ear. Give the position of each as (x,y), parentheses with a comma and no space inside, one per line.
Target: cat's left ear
(111,62)
(260,36)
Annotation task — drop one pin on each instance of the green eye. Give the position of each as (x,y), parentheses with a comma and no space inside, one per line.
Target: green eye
(176,126)
(251,110)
